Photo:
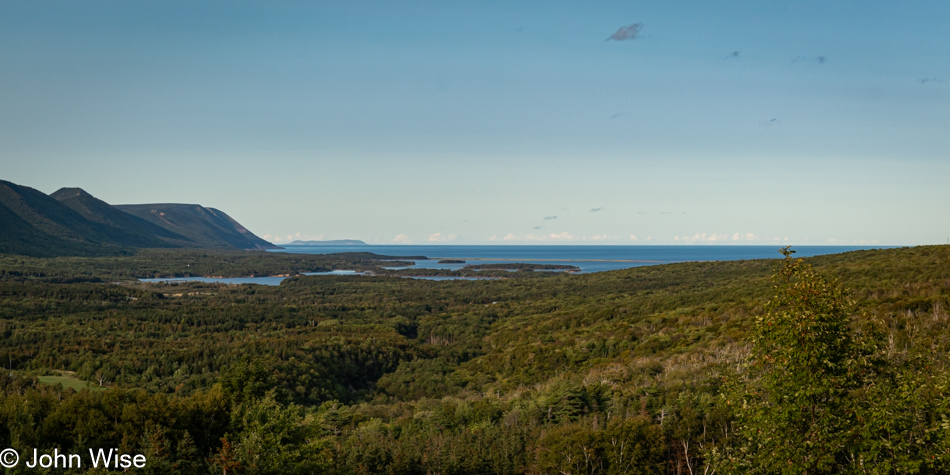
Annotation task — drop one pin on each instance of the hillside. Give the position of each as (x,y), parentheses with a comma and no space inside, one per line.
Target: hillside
(38,225)
(207,227)
(121,227)
(538,373)
(72,222)
(17,236)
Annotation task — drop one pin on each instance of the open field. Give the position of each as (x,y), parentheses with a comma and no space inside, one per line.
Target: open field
(68,381)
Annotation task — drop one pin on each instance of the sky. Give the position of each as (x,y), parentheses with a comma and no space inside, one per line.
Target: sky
(494,122)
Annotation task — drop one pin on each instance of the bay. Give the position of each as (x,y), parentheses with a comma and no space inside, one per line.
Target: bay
(588,258)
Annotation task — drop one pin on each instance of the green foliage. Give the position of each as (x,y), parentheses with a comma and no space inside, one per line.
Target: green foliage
(799,416)
(150,263)
(822,394)
(614,372)
(272,438)
(630,446)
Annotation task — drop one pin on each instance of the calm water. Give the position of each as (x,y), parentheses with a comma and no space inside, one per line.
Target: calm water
(242,280)
(587,258)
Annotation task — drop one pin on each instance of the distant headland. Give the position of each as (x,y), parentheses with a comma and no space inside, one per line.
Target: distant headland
(337,242)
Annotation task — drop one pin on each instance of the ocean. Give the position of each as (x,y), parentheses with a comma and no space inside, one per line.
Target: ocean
(587,258)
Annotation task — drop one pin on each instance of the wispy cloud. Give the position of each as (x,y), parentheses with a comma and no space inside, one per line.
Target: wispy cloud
(820,59)
(402,239)
(930,80)
(630,32)
(619,114)
(563,236)
(594,210)
(769,122)
(550,218)
(439,237)
(713,237)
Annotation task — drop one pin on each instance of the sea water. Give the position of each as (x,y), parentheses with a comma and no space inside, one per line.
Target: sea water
(585,258)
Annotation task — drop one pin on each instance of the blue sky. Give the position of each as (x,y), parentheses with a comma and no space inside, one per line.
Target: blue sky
(806,122)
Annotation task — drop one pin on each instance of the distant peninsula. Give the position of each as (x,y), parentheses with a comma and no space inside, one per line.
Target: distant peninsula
(337,242)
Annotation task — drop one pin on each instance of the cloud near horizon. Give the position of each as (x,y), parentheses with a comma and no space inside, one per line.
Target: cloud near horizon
(439,237)
(402,239)
(273,238)
(713,237)
(563,236)
(629,32)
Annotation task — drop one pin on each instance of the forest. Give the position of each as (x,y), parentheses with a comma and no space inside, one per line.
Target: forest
(830,364)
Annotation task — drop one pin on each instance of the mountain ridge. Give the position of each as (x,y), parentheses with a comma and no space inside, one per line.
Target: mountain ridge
(124,228)
(208,226)
(71,221)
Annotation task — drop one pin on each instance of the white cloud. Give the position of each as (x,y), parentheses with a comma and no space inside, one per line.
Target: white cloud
(564,236)
(552,237)
(402,239)
(714,237)
(297,236)
(439,237)
(633,237)
(561,237)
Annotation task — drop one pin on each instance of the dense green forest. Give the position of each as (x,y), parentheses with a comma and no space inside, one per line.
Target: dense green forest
(831,364)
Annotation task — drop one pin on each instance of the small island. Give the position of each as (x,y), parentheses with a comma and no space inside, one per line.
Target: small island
(451,261)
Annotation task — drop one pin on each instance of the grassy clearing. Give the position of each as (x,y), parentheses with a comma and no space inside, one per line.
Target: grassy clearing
(68,381)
